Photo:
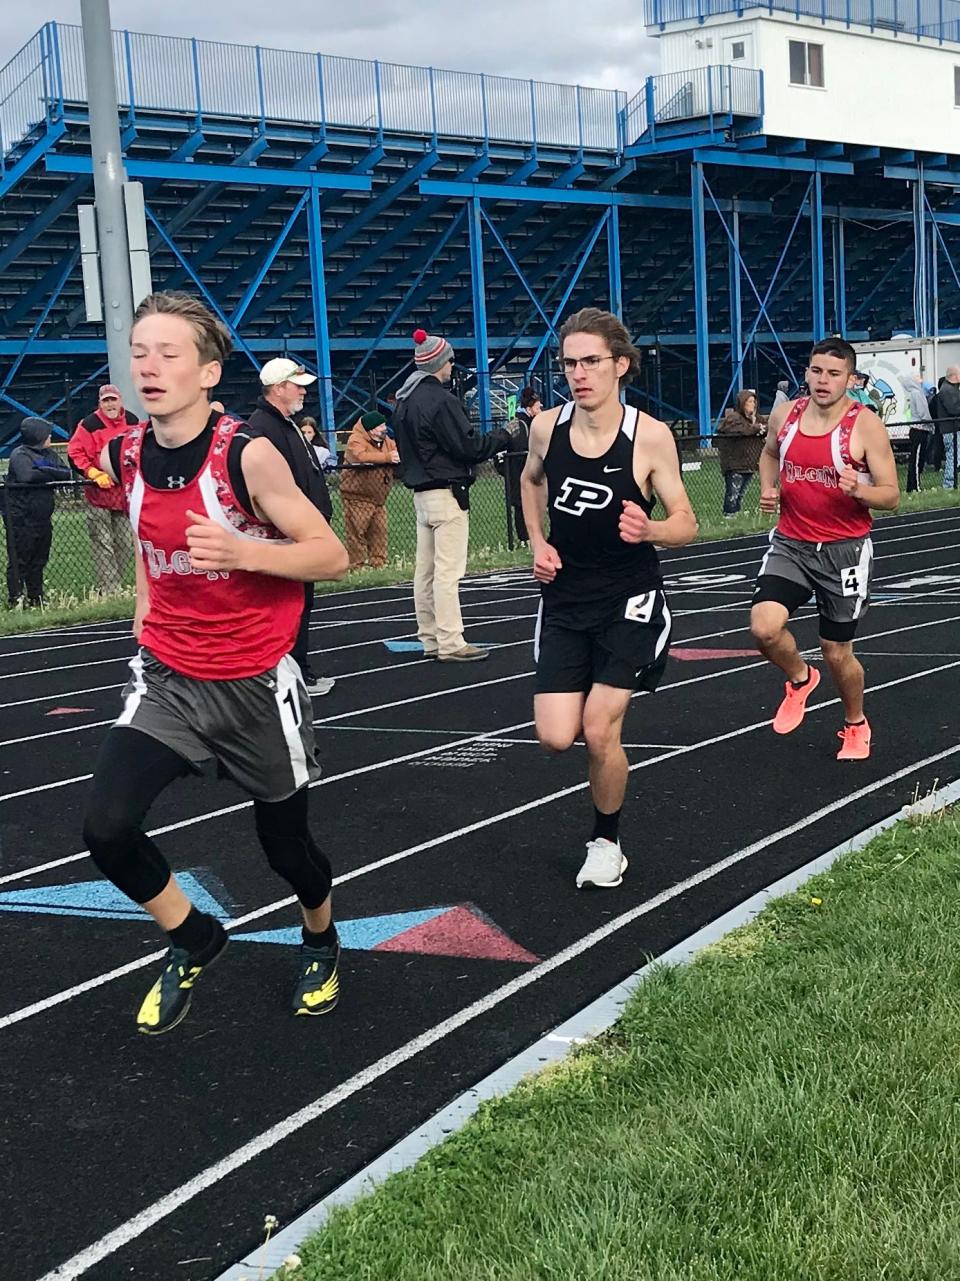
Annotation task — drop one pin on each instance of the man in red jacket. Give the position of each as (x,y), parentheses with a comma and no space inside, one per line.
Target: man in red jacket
(107,522)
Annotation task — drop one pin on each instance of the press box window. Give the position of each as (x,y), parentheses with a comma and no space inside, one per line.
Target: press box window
(956,86)
(739,50)
(806,64)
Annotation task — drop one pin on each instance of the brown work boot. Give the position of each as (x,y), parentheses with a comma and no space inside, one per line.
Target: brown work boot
(467,654)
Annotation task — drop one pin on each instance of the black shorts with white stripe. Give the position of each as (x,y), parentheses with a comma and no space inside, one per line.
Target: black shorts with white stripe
(627,647)
(258,730)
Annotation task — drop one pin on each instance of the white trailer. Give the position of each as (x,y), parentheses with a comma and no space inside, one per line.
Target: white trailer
(890,367)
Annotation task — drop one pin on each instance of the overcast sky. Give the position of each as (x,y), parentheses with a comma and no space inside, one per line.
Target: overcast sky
(599,43)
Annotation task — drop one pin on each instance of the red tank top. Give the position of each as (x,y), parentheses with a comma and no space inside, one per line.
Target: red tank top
(813,508)
(216,625)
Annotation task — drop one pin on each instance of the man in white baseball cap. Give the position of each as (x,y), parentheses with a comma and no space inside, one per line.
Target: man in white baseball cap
(284,384)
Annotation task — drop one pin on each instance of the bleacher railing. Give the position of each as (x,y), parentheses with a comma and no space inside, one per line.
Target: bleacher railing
(700,94)
(29,92)
(206,78)
(936,19)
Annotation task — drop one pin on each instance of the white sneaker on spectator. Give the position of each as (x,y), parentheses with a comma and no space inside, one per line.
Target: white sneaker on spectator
(319,685)
(603,867)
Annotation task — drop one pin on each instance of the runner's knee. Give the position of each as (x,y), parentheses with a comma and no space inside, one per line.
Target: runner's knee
(601,736)
(766,626)
(557,738)
(124,854)
(291,850)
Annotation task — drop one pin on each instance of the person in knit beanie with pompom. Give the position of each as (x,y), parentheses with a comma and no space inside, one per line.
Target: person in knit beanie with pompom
(439,448)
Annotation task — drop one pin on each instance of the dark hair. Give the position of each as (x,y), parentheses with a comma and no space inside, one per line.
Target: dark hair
(836,346)
(528,396)
(210,334)
(605,325)
(308,421)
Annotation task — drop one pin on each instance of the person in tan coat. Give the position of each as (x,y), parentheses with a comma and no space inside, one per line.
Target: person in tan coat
(365,482)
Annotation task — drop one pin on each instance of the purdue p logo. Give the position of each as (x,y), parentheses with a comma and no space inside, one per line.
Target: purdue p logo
(578,496)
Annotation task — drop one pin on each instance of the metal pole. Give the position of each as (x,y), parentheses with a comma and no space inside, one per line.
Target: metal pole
(321,329)
(480,314)
(613,261)
(736,303)
(816,255)
(108,179)
(700,302)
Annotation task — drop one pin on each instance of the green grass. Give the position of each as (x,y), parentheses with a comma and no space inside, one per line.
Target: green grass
(73,598)
(785,1108)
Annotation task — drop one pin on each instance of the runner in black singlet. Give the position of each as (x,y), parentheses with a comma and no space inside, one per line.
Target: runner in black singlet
(604,627)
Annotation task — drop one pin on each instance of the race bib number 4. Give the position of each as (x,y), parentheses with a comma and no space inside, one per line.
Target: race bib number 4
(852,582)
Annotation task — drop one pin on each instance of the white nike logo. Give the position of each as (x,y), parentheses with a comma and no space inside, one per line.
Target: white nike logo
(608,470)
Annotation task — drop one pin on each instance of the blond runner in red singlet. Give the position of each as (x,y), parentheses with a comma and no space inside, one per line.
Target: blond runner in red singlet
(827,461)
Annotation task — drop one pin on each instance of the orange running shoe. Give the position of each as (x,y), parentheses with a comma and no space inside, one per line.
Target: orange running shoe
(791,711)
(856,742)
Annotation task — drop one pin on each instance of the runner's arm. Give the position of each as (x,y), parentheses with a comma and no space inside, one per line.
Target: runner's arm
(770,459)
(884,492)
(314,551)
(680,526)
(533,480)
(143,593)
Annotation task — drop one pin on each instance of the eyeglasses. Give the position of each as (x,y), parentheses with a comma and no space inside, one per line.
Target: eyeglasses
(588,362)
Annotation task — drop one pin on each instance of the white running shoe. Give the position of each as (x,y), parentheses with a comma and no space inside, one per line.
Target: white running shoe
(317,686)
(603,867)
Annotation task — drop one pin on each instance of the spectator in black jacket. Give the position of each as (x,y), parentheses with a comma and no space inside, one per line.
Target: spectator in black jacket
(284,385)
(439,448)
(28,511)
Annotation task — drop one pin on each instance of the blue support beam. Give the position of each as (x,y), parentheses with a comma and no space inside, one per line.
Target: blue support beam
(475,223)
(47,216)
(816,256)
(751,160)
(321,331)
(267,262)
(700,300)
(250,175)
(548,195)
(614,270)
(736,300)
(839,276)
(10,177)
(577,273)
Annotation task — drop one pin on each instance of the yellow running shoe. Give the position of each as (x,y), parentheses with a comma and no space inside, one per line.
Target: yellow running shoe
(318,980)
(167,1002)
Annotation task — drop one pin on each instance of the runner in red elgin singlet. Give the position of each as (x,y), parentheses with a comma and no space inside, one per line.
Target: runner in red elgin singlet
(831,459)
(226,541)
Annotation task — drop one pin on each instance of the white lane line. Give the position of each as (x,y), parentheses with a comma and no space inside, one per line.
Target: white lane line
(60,998)
(139,1223)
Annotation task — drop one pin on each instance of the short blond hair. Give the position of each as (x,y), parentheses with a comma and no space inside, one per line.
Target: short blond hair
(210,333)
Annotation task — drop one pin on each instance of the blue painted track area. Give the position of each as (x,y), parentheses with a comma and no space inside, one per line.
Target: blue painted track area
(455,842)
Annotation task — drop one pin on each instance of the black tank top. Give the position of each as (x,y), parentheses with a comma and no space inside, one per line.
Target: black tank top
(585,499)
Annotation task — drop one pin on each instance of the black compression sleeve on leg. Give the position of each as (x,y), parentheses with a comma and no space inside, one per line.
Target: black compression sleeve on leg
(131,772)
(291,851)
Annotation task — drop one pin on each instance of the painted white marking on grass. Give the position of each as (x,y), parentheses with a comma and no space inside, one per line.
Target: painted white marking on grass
(582,1028)
(127,1232)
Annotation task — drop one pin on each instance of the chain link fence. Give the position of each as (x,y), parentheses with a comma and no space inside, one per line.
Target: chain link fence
(78,555)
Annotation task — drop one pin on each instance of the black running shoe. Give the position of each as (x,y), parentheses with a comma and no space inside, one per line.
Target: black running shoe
(318,980)
(167,1002)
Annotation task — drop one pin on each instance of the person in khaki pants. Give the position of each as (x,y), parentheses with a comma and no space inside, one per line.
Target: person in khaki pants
(439,447)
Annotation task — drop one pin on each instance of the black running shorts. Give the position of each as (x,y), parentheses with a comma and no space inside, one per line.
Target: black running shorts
(257,730)
(626,647)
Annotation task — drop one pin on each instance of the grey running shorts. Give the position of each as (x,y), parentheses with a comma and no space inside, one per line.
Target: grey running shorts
(258,730)
(837,574)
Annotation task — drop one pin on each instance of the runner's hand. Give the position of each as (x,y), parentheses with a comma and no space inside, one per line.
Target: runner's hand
(211,546)
(546,564)
(634,523)
(849,481)
(769,500)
